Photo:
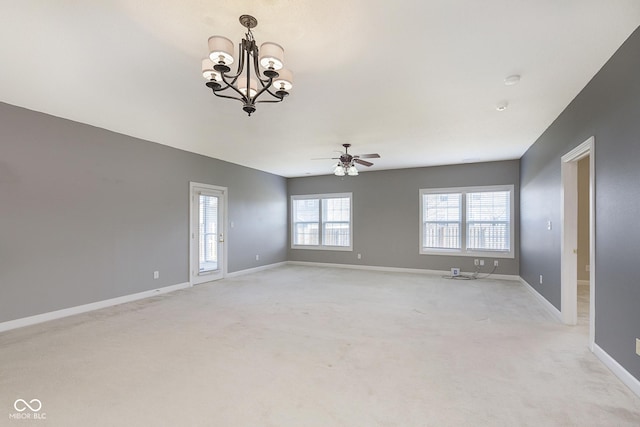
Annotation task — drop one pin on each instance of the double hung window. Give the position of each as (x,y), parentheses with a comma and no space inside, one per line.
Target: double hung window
(472,220)
(321,222)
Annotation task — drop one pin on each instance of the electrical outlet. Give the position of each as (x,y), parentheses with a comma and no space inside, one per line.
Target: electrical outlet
(541,279)
(495,262)
(476,262)
(257,257)
(481,262)
(156,274)
(548,225)
(638,346)
(359,256)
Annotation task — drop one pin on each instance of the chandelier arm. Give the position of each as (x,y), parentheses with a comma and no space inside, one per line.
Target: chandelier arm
(249,49)
(268,82)
(256,69)
(270,100)
(264,89)
(264,81)
(277,98)
(281,98)
(227,96)
(230,85)
(240,68)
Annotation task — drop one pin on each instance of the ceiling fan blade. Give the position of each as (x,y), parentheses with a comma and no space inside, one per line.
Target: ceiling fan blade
(363,162)
(326,158)
(369,156)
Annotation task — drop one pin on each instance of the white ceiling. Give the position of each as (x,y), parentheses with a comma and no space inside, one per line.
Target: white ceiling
(415,81)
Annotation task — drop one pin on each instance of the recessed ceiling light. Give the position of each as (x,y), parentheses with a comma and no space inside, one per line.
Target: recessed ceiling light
(512,80)
(502,106)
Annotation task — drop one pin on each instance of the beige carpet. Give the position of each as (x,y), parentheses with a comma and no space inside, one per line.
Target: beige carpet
(303,346)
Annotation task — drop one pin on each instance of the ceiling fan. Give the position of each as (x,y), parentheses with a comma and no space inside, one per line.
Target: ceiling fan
(346,162)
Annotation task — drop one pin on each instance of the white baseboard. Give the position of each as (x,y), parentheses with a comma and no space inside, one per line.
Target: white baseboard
(550,307)
(58,314)
(395,269)
(256,269)
(629,380)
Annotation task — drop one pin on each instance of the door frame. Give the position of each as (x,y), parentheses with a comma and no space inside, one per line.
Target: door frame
(569,240)
(193,206)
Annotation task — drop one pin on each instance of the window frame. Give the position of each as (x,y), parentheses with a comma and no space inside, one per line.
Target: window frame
(463,251)
(321,222)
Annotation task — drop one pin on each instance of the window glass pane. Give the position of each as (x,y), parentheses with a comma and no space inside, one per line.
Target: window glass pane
(336,234)
(208,233)
(336,215)
(442,207)
(306,233)
(441,214)
(324,221)
(306,210)
(336,209)
(488,221)
(306,217)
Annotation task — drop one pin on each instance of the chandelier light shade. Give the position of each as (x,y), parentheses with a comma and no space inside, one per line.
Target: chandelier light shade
(221,50)
(271,55)
(284,81)
(259,71)
(253,86)
(208,72)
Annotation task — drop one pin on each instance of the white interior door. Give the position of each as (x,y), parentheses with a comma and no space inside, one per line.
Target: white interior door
(569,243)
(207,233)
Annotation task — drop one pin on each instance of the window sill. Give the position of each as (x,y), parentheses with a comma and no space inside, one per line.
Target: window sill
(325,248)
(469,254)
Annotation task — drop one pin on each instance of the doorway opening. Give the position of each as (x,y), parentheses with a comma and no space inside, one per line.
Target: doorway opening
(207,232)
(575,250)
(583,254)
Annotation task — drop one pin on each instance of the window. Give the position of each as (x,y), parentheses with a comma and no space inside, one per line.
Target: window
(208,233)
(321,222)
(473,220)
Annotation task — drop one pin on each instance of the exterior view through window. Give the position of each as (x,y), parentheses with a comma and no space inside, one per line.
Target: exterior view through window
(467,220)
(208,233)
(321,221)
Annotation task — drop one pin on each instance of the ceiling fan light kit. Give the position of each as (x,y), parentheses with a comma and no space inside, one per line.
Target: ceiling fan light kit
(347,162)
(259,71)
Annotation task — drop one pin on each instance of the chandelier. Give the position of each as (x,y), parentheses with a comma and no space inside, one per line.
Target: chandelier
(259,71)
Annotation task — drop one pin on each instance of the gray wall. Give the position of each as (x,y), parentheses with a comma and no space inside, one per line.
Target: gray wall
(386,214)
(87,214)
(607,108)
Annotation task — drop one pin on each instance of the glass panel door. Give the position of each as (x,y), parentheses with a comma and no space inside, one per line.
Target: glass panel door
(207,251)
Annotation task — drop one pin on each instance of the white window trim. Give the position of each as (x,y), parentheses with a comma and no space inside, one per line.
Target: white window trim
(463,232)
(322,247)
